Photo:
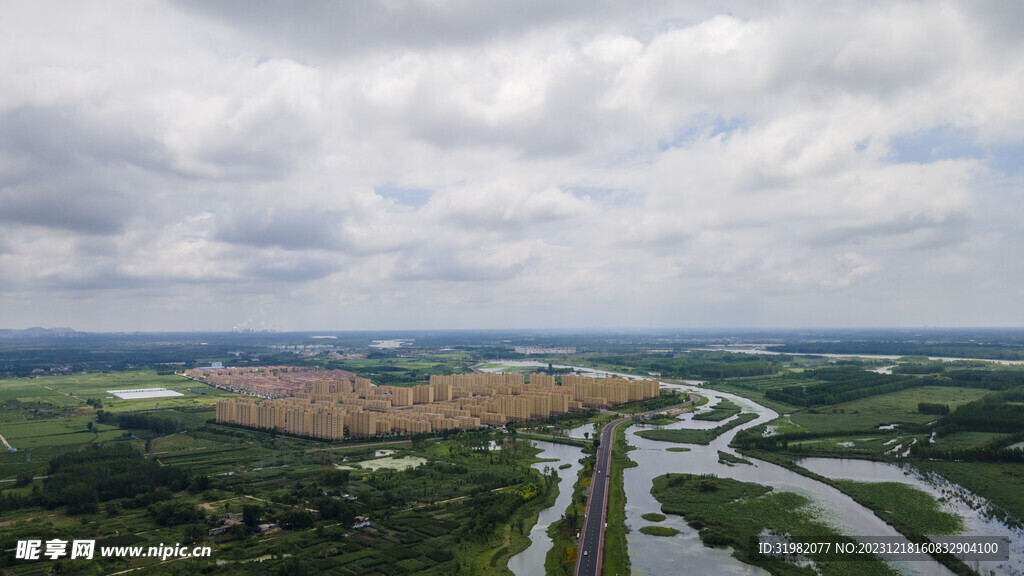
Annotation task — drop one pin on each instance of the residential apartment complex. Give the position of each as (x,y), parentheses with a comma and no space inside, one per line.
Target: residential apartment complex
(336,407)
(267,381)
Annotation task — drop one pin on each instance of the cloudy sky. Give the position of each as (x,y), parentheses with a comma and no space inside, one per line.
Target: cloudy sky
(188,165)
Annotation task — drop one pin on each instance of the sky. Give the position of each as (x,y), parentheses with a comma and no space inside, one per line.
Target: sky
(300,165)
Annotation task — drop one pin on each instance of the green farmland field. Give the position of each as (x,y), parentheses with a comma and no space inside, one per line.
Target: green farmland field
(884,409)
(47,416)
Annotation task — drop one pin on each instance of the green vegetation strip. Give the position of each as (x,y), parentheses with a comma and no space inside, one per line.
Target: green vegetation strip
(726,458)
(561,558)
(659,531)
(695,436)
(677,449)
(654,517)
(999,482)
(616,554)
(554,439)
(516,533)
(666,399)
(904,505)
(660,420)
(727,512)
(724,409)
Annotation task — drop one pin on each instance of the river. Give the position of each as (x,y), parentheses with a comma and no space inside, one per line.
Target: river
(653,555)
(658,555)
(954,498)
(531,560)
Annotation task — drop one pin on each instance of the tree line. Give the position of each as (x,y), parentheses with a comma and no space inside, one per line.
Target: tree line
(140,421)
(1001,412)
(81,480)
(837,384)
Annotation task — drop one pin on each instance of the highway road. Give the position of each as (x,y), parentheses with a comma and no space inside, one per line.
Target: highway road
(591,547)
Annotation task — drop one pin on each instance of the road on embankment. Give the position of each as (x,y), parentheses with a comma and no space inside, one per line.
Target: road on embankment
(591,548)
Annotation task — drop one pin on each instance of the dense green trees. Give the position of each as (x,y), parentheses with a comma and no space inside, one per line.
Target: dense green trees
(700,364)
(836,384)
(996,412)
(932,408)
(174,513)
(489,510)
(103,472)
(333,508)
(140,421)
(987,378)
(251,514)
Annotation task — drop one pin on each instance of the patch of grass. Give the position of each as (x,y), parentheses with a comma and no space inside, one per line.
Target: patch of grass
(677,449)
(726,458)
(959,440)
(704,437)
(724,409)
(865,445)
(889,408)
(50,431)
(660,420)
(659,531)
(727,512)
(903,505)
(784,424)
(181,442)
(654,517)
(999,482)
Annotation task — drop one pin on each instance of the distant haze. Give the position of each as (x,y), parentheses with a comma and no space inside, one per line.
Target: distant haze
(190,165)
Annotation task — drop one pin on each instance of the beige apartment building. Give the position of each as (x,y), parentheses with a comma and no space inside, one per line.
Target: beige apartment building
(333,409)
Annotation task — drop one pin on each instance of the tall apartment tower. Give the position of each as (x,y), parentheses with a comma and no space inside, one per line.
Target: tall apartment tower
(363,424)
(542,380)
(246,412)
(401,396)
(226,411)
(322,387)
(442,390)
(422,394)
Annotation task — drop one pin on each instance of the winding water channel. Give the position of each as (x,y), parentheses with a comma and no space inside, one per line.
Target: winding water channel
(531,561)
(659,555)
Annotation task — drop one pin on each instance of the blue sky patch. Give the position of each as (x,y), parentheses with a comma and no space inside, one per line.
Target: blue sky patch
(933,144)
(700,125)
(1008,159)
(411,197)
(605,196)
(950,142)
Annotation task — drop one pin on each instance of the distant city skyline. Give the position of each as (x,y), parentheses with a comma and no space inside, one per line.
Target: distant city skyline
(194,166)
